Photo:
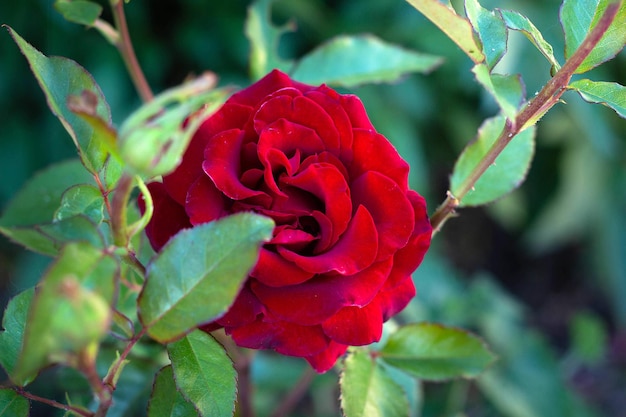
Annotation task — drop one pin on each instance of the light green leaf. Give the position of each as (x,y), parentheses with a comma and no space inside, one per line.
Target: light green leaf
(507,90)
(434,352)
(505,175)
(491,30)
(197,275)
(59,79)
(610,94)
(349,61)
(81,199)
(458,29)
(204,374)
(152,141)
(516,21)
(79,11)
(32,210)
(71,309)
(12,404)
(368,391)
(579,17)
(264,38)
(166,400)
(12,338)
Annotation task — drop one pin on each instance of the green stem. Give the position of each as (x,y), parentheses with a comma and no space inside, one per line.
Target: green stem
(52,403)
(119,210)
(125,46)
(536,108)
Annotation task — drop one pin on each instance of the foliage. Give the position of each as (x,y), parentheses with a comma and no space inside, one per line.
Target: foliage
(105,293)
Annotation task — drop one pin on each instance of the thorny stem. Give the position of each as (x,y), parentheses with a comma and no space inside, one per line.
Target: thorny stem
(125,46)
(52,403)
(537,107)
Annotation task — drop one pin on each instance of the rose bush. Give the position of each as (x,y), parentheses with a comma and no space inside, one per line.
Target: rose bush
(349,232)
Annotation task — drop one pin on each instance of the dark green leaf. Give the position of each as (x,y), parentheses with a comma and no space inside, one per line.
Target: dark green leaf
(36,204)
(81,199)
(505,175)
(612,95)
(166,400)
(349,61)
(507,90)
(204,374)
(12,338)
(434,352)
(491,30)
(59,79)
(368,391)
(579,17)
(517,21)
(264,38)
(179,296)
(71,309)
(12,404)
(458,29)
(79,11)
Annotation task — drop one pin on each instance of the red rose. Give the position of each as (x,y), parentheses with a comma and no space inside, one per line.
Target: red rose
(348,234)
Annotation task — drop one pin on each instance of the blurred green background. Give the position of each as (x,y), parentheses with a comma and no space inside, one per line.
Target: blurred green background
(541,274)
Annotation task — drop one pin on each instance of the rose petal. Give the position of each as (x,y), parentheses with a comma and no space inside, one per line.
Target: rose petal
(286,338)
(275,80)
(355,326)
(356,112)
(275,271)
(168,219)
(222,165)
(299,111)
(316,300)
(330,101)
(373,152)
(326,359)
(355,250)
(329,185)
(394,300)
(229,116)
(393,214)
(244,310)
(204,202)
(407,259)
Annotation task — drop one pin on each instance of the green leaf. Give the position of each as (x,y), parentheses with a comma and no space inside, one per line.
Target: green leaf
(179,296)
(12,338)
(166,400)
(349,61)
(505,175)
(264,38)
(12,404)
(79,11)
(434,352)
(579,17)
(589,337)
(458,29)
(154,137)
(71,309)
(368,391)
(610,94)
(507,90)
(204,374)
(491,30)
(59,79)
(36,203)
(81,199)
(519,22)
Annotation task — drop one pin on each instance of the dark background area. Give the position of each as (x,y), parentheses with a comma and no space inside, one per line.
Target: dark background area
(553,252)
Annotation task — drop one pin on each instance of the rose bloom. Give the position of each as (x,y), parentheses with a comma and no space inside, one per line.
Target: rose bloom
(349,232)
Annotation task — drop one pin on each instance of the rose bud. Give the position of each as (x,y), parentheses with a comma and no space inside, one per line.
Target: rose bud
(349,232)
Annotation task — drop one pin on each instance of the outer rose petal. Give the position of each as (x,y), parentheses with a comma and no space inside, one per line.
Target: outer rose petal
(286,338)
(255,93)
(394,300)
(355,326)
(204,202)
(325,360)
(168,219)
